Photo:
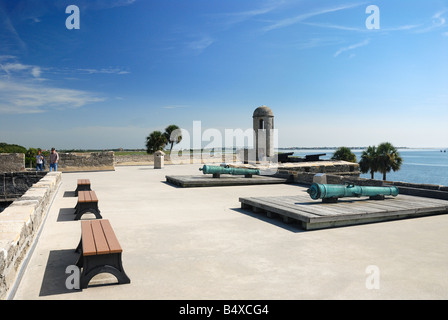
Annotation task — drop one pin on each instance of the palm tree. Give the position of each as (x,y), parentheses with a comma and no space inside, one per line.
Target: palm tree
(155,142)
(172,135)
(369,161)
(345,154)
(388,158)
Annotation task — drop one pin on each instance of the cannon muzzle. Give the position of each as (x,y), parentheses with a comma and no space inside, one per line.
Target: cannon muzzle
(331,192)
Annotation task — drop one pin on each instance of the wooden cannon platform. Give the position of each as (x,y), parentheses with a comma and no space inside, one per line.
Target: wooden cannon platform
(313,214)
(224,180)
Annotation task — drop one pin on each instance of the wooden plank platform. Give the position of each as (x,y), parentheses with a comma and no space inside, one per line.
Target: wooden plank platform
(224,180)
(313,214)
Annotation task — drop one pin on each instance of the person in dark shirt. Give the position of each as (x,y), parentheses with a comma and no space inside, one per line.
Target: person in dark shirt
(54,158)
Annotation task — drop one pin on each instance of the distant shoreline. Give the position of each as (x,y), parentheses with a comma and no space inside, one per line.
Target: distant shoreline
(142,151)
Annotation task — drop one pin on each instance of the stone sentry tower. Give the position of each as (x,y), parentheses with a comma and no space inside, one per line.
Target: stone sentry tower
(263,120)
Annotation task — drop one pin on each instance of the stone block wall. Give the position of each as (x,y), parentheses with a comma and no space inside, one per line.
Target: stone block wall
(19,224)
(14,184)
(92,161)
(12,162)
(135,159)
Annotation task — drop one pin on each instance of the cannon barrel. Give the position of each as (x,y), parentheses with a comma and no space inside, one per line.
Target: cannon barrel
(328,192)
(206,169)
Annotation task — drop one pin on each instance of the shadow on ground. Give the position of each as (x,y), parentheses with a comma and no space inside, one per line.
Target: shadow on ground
(276,221)
(54,280)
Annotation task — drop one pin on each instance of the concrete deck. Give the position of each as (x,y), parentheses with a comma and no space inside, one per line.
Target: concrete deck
(196,243)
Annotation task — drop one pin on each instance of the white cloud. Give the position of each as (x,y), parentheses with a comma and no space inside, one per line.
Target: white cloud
(28,97)
(36,71)
(352,47)
(11,67)
(22,91)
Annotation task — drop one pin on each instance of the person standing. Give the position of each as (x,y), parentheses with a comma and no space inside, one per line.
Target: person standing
(54,158)
(39,161)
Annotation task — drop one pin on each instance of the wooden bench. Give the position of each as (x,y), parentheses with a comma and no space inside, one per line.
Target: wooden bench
(87,202)
(83,185)
(100,252)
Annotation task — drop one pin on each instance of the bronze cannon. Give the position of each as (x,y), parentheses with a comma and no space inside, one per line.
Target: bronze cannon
(331,192)
(218,170)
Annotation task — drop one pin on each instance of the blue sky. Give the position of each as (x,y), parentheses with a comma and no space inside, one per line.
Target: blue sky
(135,66)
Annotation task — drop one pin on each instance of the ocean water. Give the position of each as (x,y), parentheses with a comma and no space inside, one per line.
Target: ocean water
(429,166)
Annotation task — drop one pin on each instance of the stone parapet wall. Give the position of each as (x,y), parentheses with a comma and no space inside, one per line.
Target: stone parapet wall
(19,224)
(307,178)
(12,162)
(92,161)
(303,172)
(135,159)
(148,159)
(329,167)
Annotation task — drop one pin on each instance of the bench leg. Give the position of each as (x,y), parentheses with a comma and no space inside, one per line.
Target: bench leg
(105,263)
(82,187)
(84,207)
(78,249)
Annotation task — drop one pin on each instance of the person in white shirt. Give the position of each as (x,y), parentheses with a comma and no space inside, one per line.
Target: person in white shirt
(39,161)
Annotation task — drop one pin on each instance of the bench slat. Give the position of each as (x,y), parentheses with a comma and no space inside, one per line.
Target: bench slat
(88,241)
(98,237)
(81,196)
(114,245)
(87,196)
(93,196)
(100,240)
(83,182)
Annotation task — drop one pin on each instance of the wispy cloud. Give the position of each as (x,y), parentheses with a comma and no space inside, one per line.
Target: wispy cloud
(233,18)
(302,17)
(361,29)
(22,93)
(104,4)
(9,66)
(352,47)
(437,21)
(11,37)
(236,17)
(402,28)
(318,42)
(102,71)
(199,45)
(174,107)
(334,26)
(31,97)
